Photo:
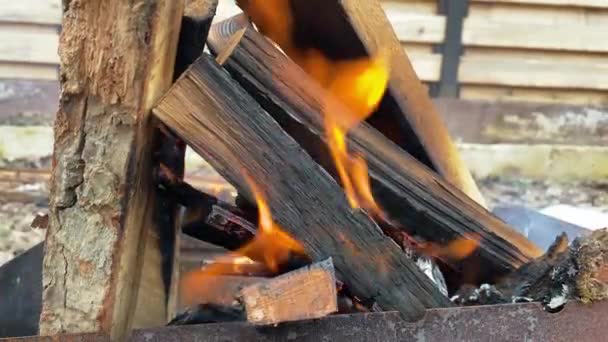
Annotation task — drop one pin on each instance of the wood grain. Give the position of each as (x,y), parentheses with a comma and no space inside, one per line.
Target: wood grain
(100,217)
(355,28)
(306,293)
(229,129)
(409,192)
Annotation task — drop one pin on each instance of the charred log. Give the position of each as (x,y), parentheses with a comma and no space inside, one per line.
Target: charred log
(420,202)
(225,125)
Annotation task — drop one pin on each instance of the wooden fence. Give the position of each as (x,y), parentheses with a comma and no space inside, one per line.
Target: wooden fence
(520,50)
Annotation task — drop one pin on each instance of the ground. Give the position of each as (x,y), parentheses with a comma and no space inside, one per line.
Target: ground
(17,212)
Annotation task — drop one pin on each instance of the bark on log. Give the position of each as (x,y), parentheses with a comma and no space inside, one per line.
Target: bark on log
(117,59)
(349,29)
(227,128)
(410,193)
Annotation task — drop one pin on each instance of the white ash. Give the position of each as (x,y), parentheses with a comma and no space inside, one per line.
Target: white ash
(559,300)
(519,299)
(428,267)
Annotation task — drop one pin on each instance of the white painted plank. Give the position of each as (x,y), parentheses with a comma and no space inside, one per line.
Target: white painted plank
(29,71)
(483,32)
(577,3)
(533,73)
(30,47)
(417,27)
(31,11)
(488,92)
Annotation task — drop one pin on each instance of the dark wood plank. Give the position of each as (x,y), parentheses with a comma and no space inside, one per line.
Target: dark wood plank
(229,129)
(409,192)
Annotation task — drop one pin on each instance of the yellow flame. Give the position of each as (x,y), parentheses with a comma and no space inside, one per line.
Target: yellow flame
(271,246)
(358,84)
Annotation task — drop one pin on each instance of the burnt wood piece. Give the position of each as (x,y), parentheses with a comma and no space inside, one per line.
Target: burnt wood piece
(411,194)
(575,272)
(231,131)
(209,313)
(306,293)
(198,16)
(348,29)
(101,237)
(206,218)
(171,151)
(213,221)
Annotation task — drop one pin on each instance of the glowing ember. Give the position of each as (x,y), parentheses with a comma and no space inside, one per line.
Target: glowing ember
(271,246)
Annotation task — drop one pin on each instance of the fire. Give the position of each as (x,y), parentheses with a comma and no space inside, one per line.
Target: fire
(354,88)
(271,246)
(358,84)
(454,250)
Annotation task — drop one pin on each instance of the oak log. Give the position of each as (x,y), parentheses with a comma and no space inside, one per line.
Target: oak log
(306,293)
(411,194)
(346,29)
(117,59)
(230,130)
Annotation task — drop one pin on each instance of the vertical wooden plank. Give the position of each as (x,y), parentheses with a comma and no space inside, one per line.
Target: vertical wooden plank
(101,189)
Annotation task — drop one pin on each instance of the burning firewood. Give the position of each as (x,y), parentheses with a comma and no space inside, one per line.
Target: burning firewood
(306,293)
(310,31)
(575,272)
(222,123)
(411,195)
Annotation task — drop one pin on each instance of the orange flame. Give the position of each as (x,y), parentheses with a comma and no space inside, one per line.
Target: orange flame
(457,249)
(357,84)
(271,246)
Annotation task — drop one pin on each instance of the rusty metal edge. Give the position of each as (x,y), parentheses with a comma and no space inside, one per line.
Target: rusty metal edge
(61,338)
(496,323)
(512,322)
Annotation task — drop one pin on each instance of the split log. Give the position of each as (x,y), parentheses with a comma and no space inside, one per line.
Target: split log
(230,130)
(575,272)
(350,29)
(117,59)
(411,194)
(306,293)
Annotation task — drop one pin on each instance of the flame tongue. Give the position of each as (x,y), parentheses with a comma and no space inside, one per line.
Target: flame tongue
(359,84)
(271,246)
